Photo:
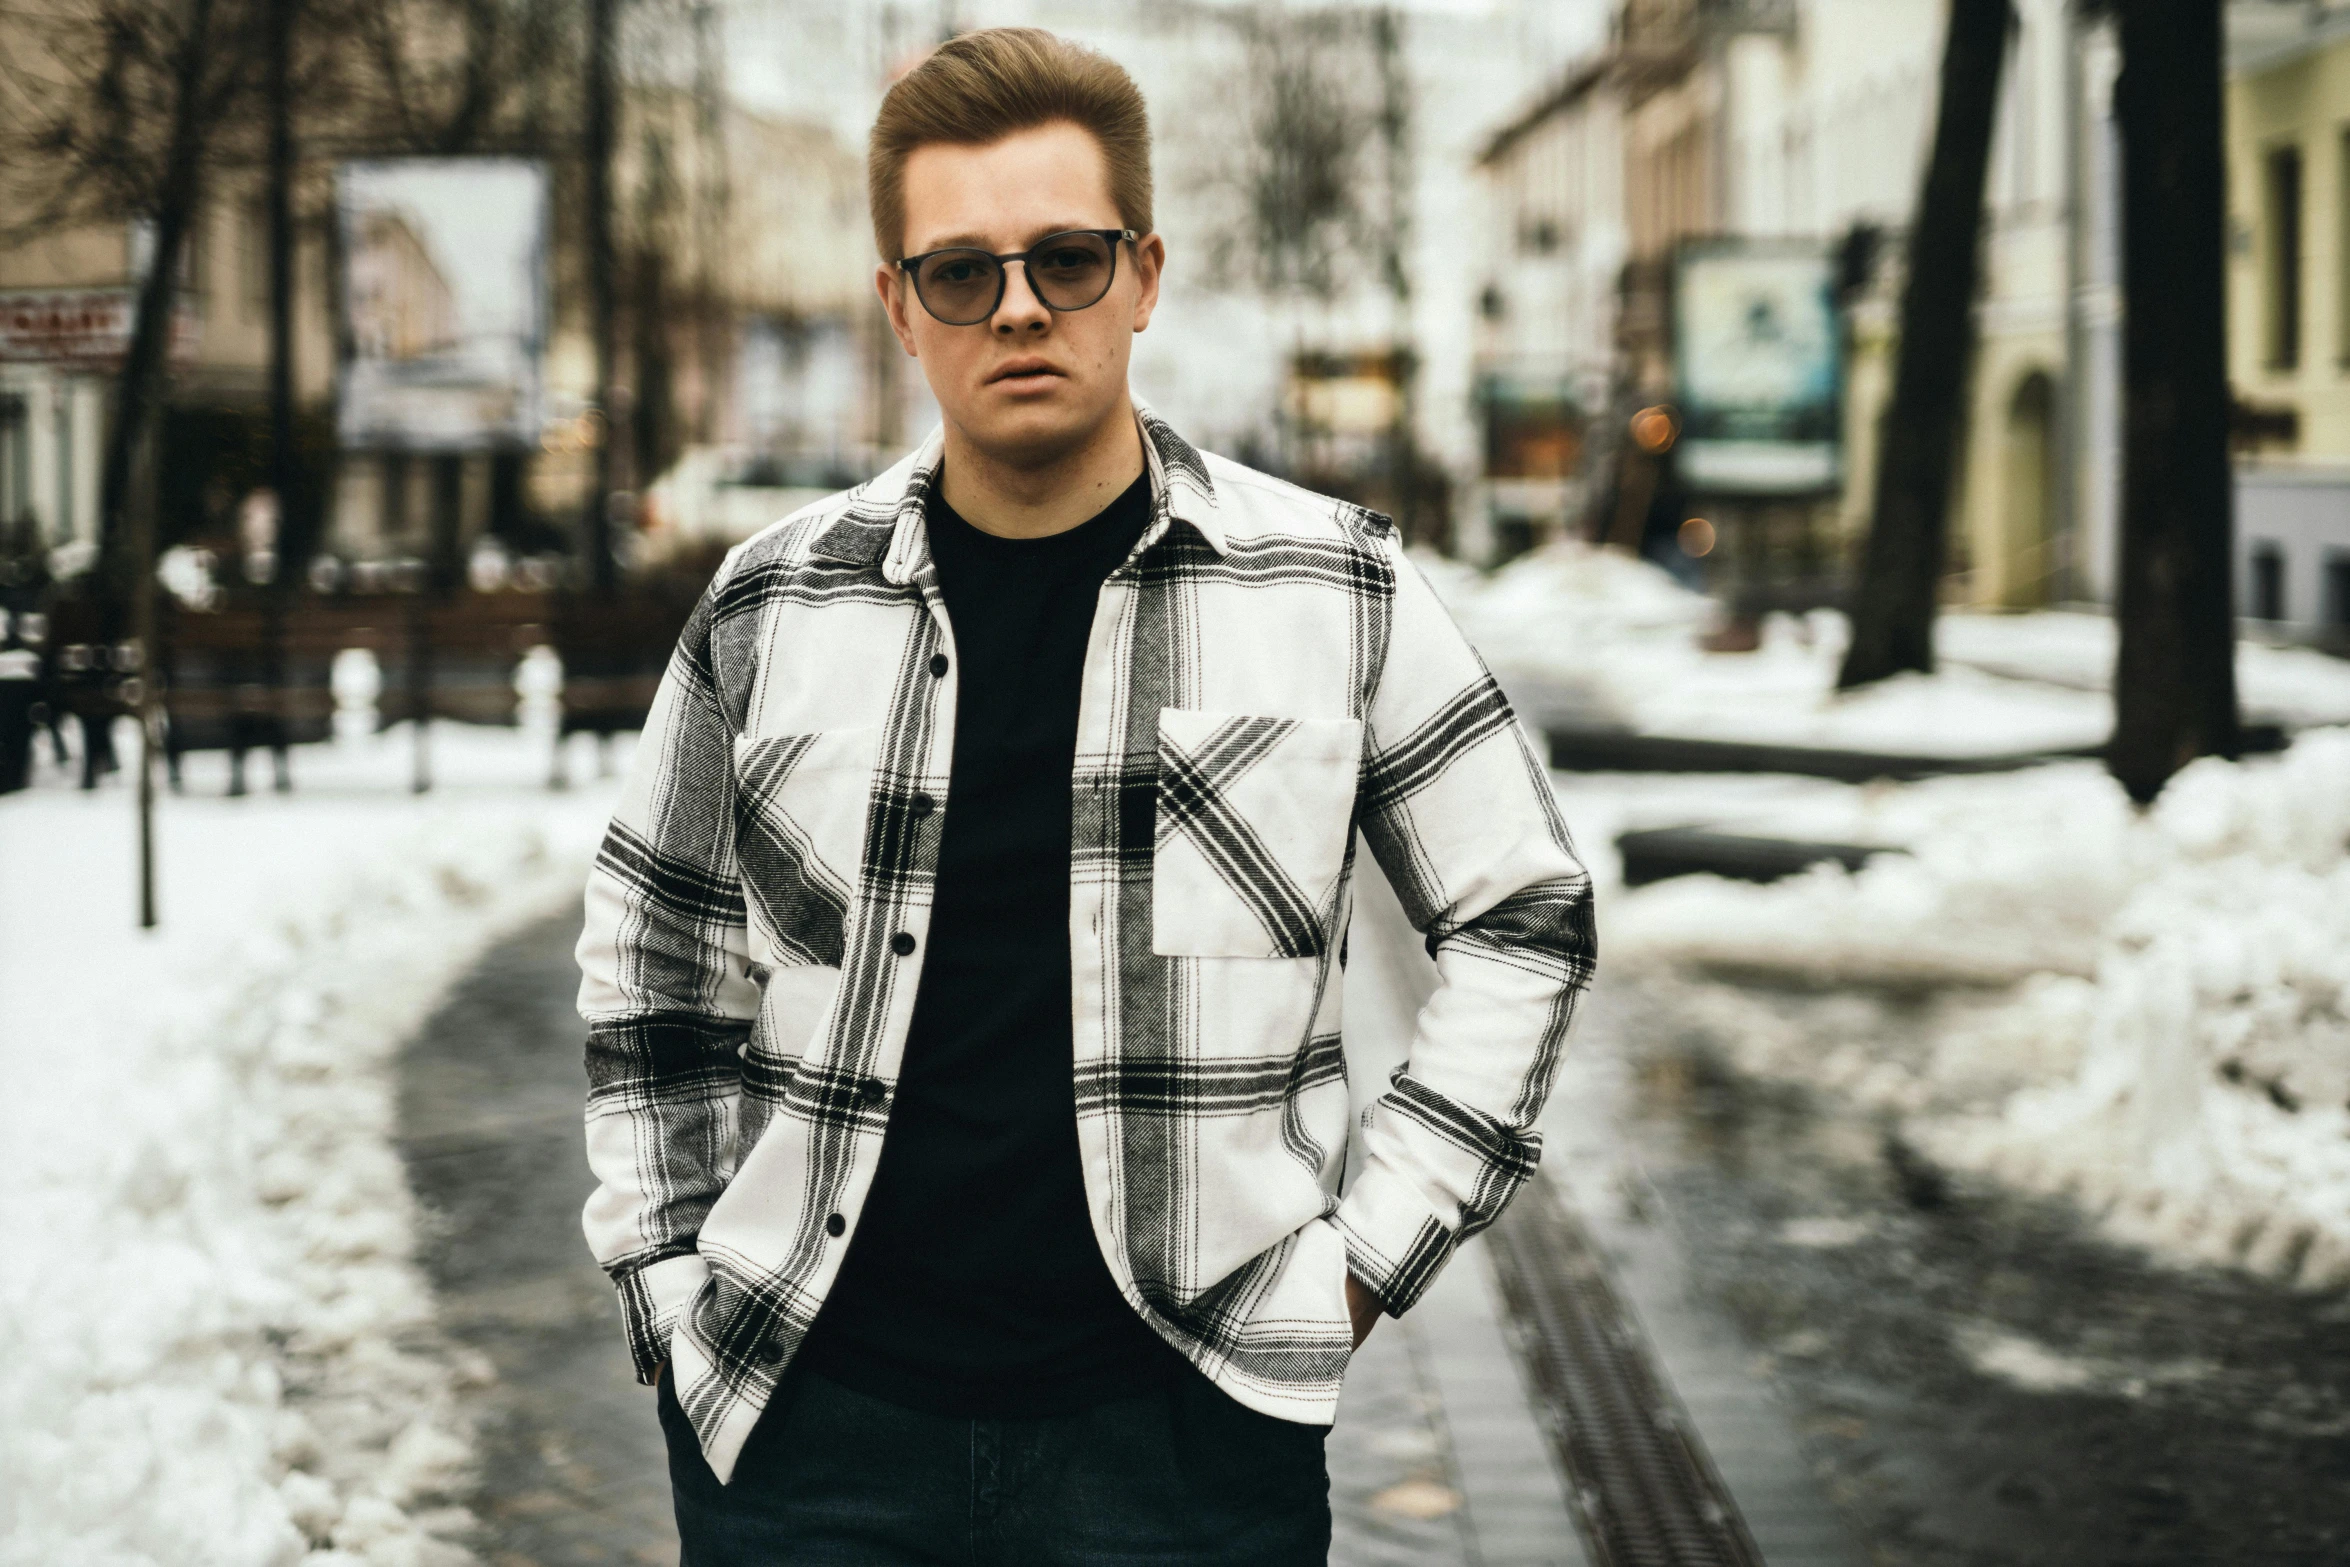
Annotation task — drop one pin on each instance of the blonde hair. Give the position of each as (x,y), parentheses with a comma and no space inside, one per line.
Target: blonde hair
(984,86)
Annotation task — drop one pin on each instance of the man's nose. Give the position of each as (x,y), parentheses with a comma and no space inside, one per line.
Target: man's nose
(1021,309)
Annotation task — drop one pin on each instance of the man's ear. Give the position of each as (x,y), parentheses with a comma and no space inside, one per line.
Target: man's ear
(893,300)
(1150,259)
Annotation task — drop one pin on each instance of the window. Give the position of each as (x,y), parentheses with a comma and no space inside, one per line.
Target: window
(2283,190)
(67,525)
(2337,604)
(16,463)
(2267,586)
(253,251)
(2342,251)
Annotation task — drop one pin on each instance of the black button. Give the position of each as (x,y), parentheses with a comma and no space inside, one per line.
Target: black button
(923,804)
(938,665)
(902,944)
(768,1354)
(836,1226)
(872,1092)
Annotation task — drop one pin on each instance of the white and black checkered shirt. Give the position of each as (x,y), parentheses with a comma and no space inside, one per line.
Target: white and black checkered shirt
(1266,677)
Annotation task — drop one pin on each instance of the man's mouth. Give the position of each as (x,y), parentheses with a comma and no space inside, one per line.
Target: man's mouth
(1021,375)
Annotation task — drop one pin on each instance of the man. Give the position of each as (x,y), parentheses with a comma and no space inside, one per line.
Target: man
(962,965)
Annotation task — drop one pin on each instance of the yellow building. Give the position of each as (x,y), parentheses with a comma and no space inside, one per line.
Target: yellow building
(2015,542)
(2288,148)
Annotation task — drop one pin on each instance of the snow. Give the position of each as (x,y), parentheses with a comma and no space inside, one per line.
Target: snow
(2147,1012)
(215,1343)
(2162,1026)
(1594,636)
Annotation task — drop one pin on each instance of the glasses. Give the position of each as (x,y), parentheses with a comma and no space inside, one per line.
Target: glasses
(963,287)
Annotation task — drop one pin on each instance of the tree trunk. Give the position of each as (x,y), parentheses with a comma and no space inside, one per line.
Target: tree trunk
(602,286)
(139,384)
(290,548)
(1893,611)
(285,467)
(2174,685)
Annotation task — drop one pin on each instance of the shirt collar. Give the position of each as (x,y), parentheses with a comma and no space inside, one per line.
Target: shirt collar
(883,520)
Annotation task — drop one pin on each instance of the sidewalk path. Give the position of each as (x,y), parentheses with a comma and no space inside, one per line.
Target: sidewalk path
(1436,1461)
(573,1469)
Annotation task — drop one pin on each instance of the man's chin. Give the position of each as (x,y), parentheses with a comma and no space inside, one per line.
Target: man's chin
(1034,432)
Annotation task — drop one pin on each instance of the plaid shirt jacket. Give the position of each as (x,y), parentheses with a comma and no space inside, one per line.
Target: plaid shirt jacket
(1266,677)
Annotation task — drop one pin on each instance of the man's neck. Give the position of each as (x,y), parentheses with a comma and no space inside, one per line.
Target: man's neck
(1014,501)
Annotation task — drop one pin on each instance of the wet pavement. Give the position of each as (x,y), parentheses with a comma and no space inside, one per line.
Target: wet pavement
(1976,1378)
(573,1471)
(1437,1458)
(1885,1365)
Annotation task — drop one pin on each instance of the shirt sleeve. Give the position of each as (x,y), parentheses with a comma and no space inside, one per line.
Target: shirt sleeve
(666,991)
(1461,817)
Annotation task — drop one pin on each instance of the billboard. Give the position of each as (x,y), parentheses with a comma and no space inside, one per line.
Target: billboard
(444,285)
(1758,360)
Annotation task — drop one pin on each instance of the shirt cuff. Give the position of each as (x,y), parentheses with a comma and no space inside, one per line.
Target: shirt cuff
(651,1300)
(1395,1244)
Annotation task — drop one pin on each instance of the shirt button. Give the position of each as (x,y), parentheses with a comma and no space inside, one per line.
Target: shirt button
(872,1092)
(923,804)
(768,1354)
(902,944)
(938,666)
(836,1226)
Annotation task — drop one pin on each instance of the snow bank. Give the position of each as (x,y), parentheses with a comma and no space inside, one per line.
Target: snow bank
(1593,636)
(215,1346)
(2298,687)
(2174,1050)
(2006,875)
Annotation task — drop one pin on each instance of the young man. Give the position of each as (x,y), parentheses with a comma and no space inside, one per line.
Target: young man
(962,966)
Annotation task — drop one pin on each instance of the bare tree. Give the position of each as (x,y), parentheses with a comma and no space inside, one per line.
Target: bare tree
(1302,174)
(1314,192)
(2175,683)
(1893,609)
(123,120)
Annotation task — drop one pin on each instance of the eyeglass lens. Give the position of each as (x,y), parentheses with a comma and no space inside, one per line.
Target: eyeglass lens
(963,287)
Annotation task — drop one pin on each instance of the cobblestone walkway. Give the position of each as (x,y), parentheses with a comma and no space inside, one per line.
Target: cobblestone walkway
(1436,1459)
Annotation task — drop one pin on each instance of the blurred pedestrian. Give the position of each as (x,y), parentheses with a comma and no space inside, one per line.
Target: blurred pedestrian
(962,965)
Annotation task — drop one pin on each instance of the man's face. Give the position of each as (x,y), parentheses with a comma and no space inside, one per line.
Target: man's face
(1028,385)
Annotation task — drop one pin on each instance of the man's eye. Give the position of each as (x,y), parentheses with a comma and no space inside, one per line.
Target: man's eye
(1071,259)
(955,272)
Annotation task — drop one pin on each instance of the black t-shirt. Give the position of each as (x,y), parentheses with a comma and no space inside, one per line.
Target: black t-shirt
(974,1285)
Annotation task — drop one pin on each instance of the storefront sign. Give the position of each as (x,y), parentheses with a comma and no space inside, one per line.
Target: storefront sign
(77,326)
(80,328)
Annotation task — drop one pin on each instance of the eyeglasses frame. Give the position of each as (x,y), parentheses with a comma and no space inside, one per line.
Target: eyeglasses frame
(1003,276)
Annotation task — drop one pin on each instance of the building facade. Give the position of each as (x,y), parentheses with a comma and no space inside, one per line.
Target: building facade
(2289,319)
(1812,121)
(734,232)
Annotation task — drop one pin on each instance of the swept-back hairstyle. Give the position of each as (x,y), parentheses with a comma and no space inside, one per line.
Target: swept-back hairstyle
(982,87)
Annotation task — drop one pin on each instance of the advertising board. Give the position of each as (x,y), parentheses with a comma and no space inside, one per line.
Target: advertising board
(1758,362)
(444,304)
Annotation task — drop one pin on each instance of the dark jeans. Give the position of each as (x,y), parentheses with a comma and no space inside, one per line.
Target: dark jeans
(832,1478)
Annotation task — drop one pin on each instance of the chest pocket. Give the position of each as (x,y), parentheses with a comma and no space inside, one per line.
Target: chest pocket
(799,837)
(1250,834)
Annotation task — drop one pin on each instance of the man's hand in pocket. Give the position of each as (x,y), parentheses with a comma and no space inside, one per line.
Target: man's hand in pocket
(1362,1306)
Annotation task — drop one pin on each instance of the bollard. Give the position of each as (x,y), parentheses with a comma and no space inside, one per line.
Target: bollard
(357,680)
(538,681)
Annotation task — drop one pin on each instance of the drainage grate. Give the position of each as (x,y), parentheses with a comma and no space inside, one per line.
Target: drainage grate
(1639,1480)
